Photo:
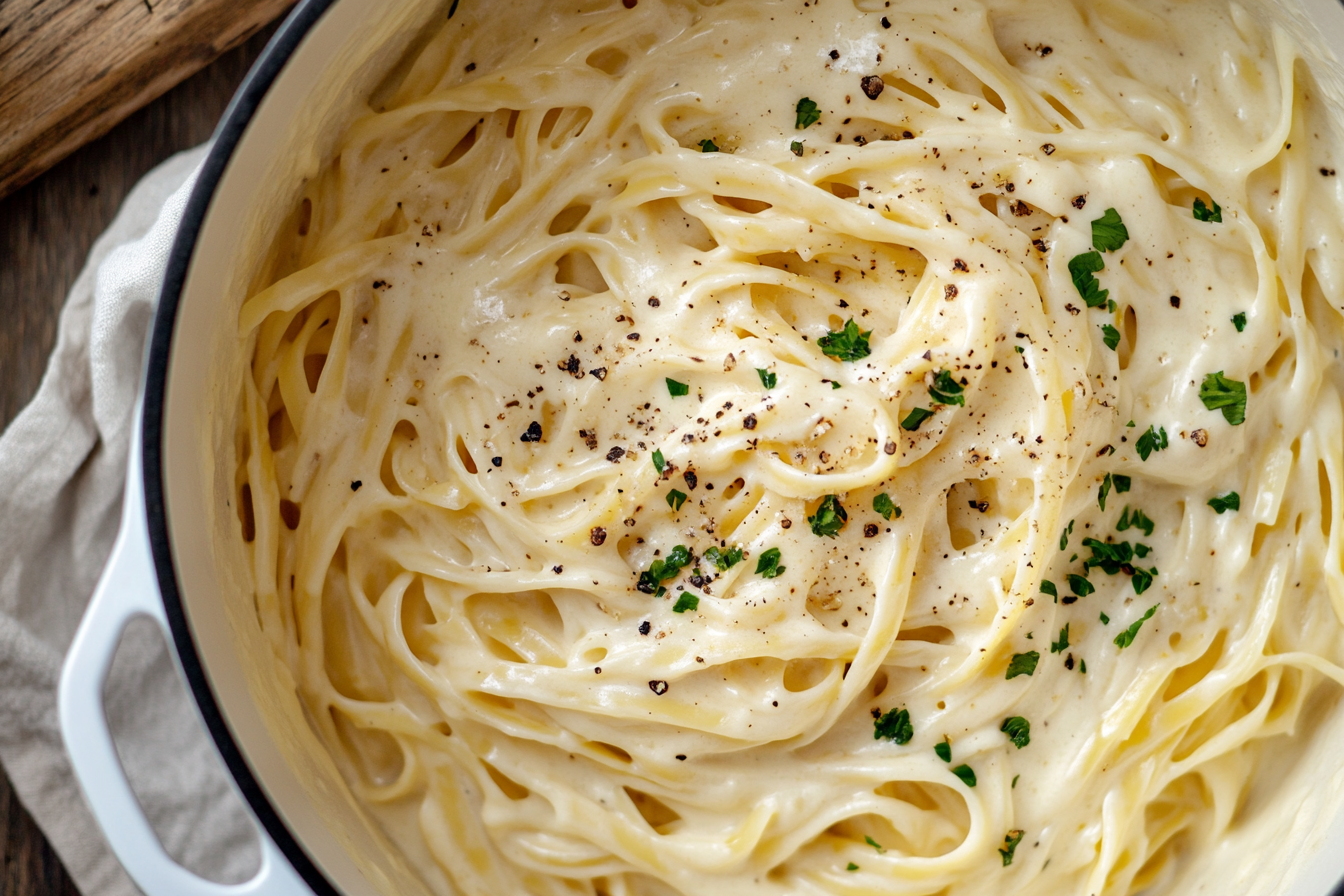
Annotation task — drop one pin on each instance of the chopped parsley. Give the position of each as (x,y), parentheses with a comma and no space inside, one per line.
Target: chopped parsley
(1110,335)
(1126,637)
(1063,643)
(1010,841)
(1082,667)
(1080,586)
(846,344)
(946,390)
(1220,393)
(1015,777)
(1064,537)
(708,146)
(1108,232)
(1122,483)
(663,570)
(874,844)
(966,774)
(1153,440)
(768,379)
(1229,501)
(1105,620)
(676,389)
(724,560)
(1135,519)
(943,750)
(1081,269)
(1204,213)
(1023,664)
(675,499)
(851,866)
(808,114)
(1104,491)
(884,507)
(767,565)
(894,726)
(829,519)
(659,463)
(1018,730)
(796,147)
(1239,321)
(1048,587)
(1142,579)
(915,419)
(687,601)
(1116,557)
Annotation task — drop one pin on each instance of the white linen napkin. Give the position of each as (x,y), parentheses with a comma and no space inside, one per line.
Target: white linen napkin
(62,473)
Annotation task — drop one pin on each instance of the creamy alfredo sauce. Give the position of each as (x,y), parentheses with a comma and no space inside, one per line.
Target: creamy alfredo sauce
(792,447)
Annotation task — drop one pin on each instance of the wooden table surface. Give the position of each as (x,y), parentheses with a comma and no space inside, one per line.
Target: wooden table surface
(46,229)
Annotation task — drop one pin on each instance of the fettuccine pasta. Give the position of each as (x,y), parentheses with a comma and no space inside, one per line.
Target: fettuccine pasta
(827,447)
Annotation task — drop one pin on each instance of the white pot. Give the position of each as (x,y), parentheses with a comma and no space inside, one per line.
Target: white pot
(180,562)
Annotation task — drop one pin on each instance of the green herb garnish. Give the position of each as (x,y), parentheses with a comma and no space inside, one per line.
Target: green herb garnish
(663,570)
(1010,841)
(767,565)
(943,750)
(1023,664)
(1064,537)
(708,146)
(1142,579)
(915,419)
(724,560)
(1108,232)
(884,507)
(1018,730)
(1122,483)
(1204,213)
(1126,637)
(1048,587)
(659,463)
(796,147)
(946,390)
(874,844)
(687,601)
(1063,643)
(675,499)
(1239,321)
(768,379)
(1152,440)
(966,774)
(1135,519)
(1104,491)
(1105,620)
(894,726)
(851,866)
(676,389)
(1081,269)
(1080,586)
(808,114)
(1110,336)
(846,344)
(1220,393)
(829,519)
(1229,501)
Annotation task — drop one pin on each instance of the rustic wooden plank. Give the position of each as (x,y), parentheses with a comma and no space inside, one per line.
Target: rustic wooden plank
(46,229)
(71,69)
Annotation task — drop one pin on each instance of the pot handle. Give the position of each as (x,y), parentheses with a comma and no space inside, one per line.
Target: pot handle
(129,589)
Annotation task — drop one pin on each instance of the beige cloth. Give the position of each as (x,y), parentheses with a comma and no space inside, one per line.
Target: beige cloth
(62,472)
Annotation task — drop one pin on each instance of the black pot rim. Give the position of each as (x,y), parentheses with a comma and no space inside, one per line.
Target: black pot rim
(239,114)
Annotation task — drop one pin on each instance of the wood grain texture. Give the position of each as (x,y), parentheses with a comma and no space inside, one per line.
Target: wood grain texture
(71,69)
(46,229)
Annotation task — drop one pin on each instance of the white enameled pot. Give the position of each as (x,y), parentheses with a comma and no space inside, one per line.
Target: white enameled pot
(179,562)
